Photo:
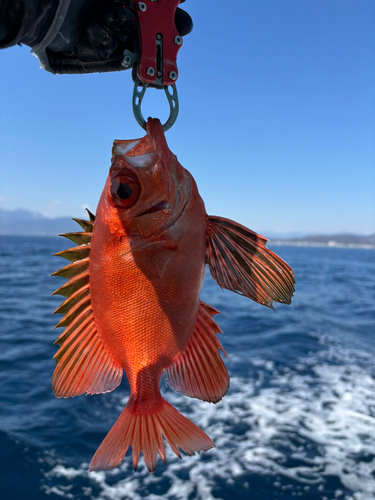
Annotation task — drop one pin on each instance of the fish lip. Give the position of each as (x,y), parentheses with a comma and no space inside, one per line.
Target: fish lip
(161,205)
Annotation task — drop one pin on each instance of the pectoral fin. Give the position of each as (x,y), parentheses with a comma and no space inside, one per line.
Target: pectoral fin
(239,261)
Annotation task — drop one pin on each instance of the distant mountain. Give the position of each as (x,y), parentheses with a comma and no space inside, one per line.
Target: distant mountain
(27,223)
(272,235)
(333,240)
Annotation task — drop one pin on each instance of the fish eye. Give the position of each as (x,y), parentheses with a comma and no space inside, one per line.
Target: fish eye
(124,189)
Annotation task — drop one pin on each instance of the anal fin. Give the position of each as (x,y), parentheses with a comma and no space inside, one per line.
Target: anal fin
(199,371)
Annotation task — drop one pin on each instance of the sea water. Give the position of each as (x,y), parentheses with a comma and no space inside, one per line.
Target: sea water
(298,420)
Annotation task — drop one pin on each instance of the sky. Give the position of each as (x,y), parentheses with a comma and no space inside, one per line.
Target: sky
(276,123)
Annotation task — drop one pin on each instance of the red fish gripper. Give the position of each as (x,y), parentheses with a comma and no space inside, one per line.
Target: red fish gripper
(159,41)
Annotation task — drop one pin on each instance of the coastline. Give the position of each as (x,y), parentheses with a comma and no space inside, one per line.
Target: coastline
(329,244)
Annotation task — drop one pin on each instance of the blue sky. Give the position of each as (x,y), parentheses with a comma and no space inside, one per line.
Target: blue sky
(276,124)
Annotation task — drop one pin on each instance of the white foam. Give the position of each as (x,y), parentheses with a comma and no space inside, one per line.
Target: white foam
(302,426)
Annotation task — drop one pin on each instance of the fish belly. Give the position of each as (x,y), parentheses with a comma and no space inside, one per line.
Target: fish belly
(145,304)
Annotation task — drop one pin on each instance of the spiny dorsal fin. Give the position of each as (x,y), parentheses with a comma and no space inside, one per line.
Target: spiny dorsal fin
(75,253)
(78,238)
(86,225)
(70,316)
(83,363)
(72,300)
(91,215)
(73,285)
(73,269)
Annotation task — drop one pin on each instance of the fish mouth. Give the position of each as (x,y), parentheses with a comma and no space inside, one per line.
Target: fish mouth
(162,205)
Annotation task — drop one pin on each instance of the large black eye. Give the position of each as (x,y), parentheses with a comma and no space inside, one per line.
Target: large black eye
(124,189)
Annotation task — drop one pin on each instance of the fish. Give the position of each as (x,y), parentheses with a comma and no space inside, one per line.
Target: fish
(132,299)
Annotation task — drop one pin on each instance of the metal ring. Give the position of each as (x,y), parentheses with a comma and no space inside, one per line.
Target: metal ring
(138,96)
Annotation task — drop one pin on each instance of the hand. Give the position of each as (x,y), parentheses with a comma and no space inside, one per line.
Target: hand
(76,36)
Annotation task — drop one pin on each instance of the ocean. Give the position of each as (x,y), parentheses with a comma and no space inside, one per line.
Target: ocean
(298,420)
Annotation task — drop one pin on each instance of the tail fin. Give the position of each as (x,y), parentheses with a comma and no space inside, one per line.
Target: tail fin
(144,433)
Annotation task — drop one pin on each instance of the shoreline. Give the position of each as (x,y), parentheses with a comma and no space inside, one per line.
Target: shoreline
(279,242)
(329,244)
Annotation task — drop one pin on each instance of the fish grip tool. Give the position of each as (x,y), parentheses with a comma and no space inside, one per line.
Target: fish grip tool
(138,94)
(159,43)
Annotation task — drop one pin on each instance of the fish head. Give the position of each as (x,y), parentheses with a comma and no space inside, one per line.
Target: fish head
(147,189)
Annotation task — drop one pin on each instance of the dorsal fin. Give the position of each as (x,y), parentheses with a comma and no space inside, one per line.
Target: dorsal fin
(83,363)
(91,215)
(86,225)
(73,269)
(78,238)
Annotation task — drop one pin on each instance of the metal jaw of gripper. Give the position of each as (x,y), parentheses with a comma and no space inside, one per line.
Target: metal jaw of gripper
(138,95)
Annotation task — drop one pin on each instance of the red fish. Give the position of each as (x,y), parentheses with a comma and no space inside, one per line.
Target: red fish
(132,299)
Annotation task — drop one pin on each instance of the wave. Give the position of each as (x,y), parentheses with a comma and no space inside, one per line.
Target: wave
(306,430)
